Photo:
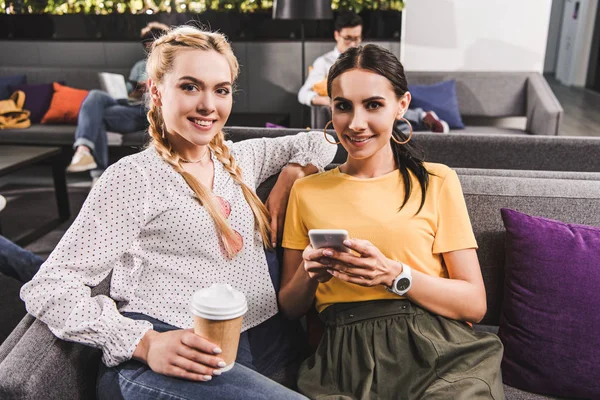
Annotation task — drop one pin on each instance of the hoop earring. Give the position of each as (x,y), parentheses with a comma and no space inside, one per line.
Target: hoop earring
(409,134)
(325,134)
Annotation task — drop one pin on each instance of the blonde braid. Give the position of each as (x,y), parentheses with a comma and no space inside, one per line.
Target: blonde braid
(160,62)
(261,214)
(204,195)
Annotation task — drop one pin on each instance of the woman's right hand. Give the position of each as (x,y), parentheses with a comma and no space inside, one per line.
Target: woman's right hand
(180,354)
(316,264)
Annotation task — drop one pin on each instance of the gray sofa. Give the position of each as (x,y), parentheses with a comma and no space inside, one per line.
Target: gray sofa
(35,364)
(491,102)
(466,150)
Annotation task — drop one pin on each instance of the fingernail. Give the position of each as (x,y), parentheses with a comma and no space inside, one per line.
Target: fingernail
(332,272)
(347,242)
(217,372)
(207,377)
(328,253)
(217,350)
(222,364)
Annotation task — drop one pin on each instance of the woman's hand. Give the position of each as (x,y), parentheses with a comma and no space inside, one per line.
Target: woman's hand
(369,268)
(180,354)
(316,265)
(278,198)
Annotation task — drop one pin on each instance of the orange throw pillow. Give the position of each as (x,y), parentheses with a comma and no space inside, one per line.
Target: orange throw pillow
(65,105)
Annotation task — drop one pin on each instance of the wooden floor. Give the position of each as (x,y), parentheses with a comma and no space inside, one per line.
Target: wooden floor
(582,109)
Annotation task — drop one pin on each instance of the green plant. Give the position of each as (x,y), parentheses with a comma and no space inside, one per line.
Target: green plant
(154,6)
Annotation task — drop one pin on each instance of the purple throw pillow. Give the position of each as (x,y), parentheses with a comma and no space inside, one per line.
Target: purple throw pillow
(550,322)
(37,99)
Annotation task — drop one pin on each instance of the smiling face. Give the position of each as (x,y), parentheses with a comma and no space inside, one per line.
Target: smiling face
(195,97)
(365,109)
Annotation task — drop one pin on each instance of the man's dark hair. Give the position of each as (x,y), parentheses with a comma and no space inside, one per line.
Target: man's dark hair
(152,35)
(347,19)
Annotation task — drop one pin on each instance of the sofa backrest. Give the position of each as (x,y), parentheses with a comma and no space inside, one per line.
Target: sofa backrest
(490,151)
(482,94)
(75,63)
(565,196)
(526,152)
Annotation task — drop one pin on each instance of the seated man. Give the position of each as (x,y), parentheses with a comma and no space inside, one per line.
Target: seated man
(347,34)
(100,112)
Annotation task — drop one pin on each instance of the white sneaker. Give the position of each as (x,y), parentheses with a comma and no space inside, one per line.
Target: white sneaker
(2,202)
(82,161)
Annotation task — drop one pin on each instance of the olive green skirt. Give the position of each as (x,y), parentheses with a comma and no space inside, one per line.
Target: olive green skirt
(394,349)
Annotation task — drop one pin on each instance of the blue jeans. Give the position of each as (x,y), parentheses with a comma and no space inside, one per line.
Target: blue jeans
(16,262)
(135,380)
(100,113)
(414,116)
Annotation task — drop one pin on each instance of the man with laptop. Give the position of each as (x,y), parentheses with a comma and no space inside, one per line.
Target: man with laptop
(120,108)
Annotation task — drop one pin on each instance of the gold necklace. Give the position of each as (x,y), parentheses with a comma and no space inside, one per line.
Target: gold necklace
(183,160)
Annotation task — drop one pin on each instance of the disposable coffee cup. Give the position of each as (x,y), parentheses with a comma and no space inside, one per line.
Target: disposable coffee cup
(218,312)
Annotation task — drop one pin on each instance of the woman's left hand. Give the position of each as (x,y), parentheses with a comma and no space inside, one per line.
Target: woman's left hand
(278,198)
(369,268)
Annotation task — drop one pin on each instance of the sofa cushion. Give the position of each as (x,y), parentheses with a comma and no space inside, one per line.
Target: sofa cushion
(6,81)
(37,99)
(511,393)
(550,322)
(570,198)
(65,105)
(439,97)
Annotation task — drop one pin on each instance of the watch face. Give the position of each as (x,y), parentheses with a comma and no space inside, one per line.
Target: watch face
(403,284)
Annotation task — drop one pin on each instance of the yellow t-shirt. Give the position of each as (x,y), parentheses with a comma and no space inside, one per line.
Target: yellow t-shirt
(368,209)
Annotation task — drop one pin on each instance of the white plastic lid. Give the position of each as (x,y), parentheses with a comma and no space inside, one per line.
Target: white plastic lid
(219,302)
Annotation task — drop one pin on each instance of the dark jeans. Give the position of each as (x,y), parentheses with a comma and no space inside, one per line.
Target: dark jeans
(100,113)
(413,115)
(16,262)
(135,380)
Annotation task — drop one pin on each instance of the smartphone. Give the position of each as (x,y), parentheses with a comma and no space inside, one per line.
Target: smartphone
(330,238)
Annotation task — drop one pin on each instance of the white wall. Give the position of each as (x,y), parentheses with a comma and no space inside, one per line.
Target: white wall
(475,35)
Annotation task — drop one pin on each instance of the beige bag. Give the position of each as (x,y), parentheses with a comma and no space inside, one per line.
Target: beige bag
(12,115)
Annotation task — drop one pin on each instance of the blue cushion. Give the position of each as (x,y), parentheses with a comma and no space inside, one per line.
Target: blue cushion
(5,81)
(439,97)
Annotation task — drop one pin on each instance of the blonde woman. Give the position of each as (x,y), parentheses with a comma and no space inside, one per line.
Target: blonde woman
(179,216)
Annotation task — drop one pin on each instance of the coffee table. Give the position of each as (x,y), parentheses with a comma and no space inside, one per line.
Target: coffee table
(16,158)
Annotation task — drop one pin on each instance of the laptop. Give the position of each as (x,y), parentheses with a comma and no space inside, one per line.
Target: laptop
(115,86)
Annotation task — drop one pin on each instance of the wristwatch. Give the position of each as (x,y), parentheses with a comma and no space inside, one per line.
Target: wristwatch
(403,282)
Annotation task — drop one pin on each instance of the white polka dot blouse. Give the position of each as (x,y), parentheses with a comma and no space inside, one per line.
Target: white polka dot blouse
(142,222)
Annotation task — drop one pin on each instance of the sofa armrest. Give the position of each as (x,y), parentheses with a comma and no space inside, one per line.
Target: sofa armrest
(544,111)
(35,364)
(41,366)
(11,341)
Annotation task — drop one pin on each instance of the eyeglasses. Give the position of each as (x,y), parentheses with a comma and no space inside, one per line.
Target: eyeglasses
(352,39)
(236,245)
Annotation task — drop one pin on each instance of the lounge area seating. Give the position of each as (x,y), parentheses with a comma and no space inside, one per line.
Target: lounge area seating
(35,364)
(487,99)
